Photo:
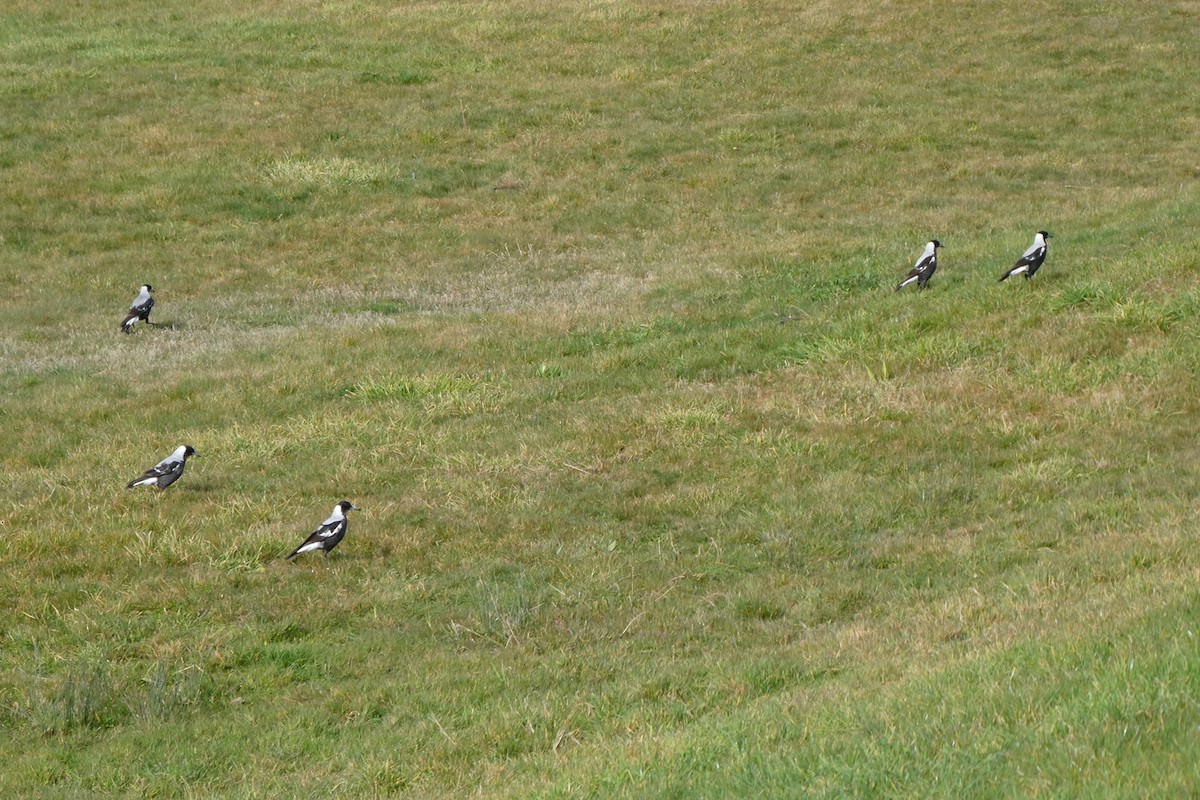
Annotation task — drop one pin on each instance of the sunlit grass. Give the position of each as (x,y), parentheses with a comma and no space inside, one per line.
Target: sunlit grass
(665,492)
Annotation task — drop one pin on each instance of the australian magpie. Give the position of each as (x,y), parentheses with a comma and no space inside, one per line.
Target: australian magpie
(1031,259)
(923,270)
(139,309)
(332,531)
(167,471)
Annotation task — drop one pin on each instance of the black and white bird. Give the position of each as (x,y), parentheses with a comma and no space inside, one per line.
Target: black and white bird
(923,270)
(1031,259)
(139,309)
(167,471)
(331,531)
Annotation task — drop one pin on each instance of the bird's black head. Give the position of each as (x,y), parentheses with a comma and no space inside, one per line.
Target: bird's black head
(188,450)
(147,287)
(346,505)
(936,244)
(1045,234)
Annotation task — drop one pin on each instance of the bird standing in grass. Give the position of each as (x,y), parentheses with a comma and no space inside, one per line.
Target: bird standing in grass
(139,309)
(1031,259)
(332,531)
(167,471)
(923,270)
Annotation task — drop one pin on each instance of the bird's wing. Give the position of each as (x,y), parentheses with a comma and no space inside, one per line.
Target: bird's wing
(925,263)
(1031,255)
(140,308)
(153,472)
(320,534)
(166,465)
(328,528)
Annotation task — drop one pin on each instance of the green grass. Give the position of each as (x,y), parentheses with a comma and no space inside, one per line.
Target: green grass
(588,305)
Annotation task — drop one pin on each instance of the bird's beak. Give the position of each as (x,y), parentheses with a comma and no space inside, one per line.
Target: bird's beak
(354,507)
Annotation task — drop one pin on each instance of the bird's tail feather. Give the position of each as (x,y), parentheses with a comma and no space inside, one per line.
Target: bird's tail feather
(303,548)
(1004,277)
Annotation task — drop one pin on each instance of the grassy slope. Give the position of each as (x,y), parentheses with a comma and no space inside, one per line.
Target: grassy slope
(509,276)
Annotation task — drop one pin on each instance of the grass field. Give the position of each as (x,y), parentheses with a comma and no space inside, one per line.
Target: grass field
(511,276)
